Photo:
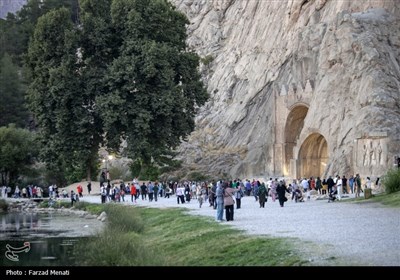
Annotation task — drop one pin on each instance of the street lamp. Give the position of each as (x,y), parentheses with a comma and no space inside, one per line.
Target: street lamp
(105,160)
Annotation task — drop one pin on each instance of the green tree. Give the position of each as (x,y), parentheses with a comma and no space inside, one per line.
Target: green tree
(124,73)
(97,46)
(54,94)
(17,29)
(12,109)
(153,84)
(18,150)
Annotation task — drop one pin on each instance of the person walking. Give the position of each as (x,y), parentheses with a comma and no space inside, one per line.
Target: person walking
(262,194)
(219,194)
(339,187)
(228,201)
(238,195)
(281,191)
(133,193)
(89,187)
(357,185)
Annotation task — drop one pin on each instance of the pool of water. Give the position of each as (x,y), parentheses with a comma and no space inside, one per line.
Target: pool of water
(55,251)
(31,239)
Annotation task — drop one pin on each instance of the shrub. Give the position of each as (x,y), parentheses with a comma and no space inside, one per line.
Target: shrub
(3,205)
(391,181)
(207,60)
(196,176)
(115,248)
(124,218)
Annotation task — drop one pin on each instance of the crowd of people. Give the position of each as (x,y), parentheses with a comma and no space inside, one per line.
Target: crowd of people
(221,195)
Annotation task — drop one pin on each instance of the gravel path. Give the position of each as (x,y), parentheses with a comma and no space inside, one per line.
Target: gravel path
(345,233)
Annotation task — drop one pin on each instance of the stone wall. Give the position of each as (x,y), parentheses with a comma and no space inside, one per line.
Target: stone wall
(297,88)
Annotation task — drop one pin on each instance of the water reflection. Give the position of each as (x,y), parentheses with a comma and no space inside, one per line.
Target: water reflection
(14,223)
(51,237)
(44,252)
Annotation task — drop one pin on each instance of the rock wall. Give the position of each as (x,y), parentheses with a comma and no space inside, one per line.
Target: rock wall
(337,62)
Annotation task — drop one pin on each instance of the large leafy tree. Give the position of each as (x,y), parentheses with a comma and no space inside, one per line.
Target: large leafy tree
(12,109)
(153,84)
(18,150)
(16,29)
(124,73)
(55,92)
(97,47)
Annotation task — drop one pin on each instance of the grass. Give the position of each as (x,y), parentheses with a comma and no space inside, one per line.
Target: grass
(89,207)
(56,204)
(81,205)
(390,200)
(172,237)
(198,241)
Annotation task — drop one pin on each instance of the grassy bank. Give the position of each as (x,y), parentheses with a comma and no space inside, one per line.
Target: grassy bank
(66,203)
(390,200)
(172,237)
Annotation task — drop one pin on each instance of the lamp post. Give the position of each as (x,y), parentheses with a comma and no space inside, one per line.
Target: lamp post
(105,161)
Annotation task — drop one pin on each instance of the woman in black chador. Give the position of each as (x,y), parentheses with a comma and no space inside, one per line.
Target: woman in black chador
(280,190)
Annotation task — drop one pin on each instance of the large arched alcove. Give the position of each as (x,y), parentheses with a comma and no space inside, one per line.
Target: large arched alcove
(293,127)
(313,156)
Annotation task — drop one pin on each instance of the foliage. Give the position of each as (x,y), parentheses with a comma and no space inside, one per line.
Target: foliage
(145,171)
(153,82)
(123,218)
(207,60)
(55,84)
(149,172)
(66,203)
(196,176)
(124,72)
(70,130)
(18,150)
(89,207)
(391,181)
(121,242)
(12,108)
(115,248)
(3,205)
(16,30)
(58,204)
(135,168)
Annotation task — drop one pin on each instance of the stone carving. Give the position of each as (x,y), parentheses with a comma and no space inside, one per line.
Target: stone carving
(296,93)
(372,153)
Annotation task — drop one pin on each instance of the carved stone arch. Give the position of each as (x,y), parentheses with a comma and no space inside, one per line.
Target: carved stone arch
(293,127)
(313,156)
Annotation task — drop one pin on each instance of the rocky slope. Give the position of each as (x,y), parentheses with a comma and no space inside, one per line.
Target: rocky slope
(346,53)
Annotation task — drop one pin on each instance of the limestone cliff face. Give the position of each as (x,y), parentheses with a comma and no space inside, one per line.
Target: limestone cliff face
(298,88)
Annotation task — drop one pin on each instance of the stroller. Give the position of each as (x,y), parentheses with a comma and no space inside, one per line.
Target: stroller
(298,196)
(332,194)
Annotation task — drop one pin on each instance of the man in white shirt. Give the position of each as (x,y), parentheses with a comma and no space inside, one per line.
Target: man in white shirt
(339,187)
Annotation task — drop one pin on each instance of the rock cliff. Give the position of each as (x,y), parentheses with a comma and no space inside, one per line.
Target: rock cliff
(298,88)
